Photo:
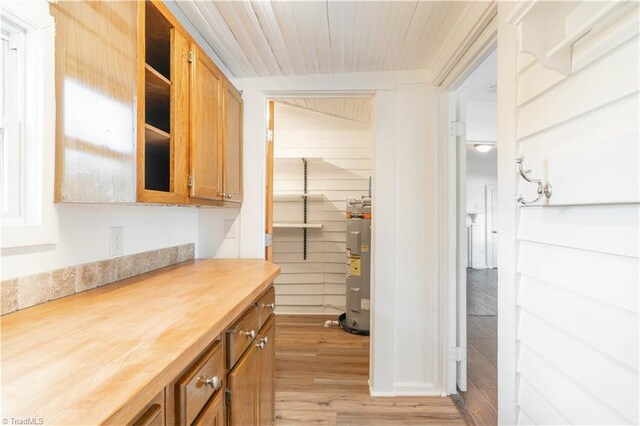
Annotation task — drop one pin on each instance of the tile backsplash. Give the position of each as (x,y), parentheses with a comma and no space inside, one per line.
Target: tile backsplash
(24,292)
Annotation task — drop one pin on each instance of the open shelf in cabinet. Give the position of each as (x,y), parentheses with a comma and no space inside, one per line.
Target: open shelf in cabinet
(157,78)
(157,41)
(155,136)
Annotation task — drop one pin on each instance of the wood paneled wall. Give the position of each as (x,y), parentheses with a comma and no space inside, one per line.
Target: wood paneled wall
(316,285)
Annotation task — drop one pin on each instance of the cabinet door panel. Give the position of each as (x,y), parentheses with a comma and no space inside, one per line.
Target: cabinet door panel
(206,149)
(96,71)
(243,384)
(233,144)
(213,413)
(266,366)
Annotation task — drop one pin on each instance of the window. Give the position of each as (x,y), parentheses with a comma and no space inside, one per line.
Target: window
(12,92)
(27,124)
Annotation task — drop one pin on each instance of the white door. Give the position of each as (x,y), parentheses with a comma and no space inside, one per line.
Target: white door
(491,225)
(457,112)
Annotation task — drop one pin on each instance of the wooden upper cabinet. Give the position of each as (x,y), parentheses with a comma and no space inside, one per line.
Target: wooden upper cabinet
(163,107)
(232,129)
(143,114)
(95,83)
(206,129)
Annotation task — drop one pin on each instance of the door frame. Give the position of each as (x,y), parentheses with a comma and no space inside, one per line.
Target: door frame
(269,140)
(497,33)
(269,98)
(457,112)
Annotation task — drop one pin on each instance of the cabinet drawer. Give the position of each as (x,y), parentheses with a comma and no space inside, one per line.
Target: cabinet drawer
(240,335)
(194,389)
(152,414)
(266,306)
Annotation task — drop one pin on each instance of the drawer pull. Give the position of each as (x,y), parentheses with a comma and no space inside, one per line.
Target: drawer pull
(213,382)
(251,333)
(271,306)
(263,342)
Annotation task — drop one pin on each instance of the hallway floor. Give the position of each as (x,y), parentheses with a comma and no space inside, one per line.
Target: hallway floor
(480,398)
(322,378)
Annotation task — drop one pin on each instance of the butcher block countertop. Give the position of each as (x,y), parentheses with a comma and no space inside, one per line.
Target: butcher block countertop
(100,355)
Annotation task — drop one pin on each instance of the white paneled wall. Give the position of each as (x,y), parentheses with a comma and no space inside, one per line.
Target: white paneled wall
(316,285)
(578,262)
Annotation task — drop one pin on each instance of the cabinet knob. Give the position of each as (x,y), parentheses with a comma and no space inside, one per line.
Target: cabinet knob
(264,340)
(251,333)
(260,345)
(213,382)
(271,306)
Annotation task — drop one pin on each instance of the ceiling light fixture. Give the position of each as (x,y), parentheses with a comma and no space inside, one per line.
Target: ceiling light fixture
(483,147)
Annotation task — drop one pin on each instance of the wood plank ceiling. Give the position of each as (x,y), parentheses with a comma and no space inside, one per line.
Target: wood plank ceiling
(354,109)
(272,38)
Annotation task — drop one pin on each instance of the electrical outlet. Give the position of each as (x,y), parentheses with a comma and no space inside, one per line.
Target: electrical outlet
(116,241)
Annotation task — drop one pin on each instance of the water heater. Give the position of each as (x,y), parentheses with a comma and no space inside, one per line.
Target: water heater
(356,319)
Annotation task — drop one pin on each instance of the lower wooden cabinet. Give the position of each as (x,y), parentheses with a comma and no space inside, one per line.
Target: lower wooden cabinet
(251,381)
(212,391)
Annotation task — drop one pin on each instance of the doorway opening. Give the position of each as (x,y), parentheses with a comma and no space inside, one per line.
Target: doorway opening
(475,100)
(319,157)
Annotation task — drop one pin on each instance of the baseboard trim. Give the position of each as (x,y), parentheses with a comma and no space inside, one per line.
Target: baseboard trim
(416,389)
(382,394)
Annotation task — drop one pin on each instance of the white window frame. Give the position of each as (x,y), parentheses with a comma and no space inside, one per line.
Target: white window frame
(11,120)
(34,220)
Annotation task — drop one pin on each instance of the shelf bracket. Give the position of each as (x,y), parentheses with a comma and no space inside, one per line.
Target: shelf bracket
(304,203)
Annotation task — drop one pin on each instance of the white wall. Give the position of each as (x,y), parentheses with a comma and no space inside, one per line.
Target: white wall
(218,232)
(316,285)
(578,268)
(83,235)
(405,315)
(481,122)
(479,175)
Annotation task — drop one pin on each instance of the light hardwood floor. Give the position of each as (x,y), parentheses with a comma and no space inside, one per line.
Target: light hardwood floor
(322,378)
(480,399)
